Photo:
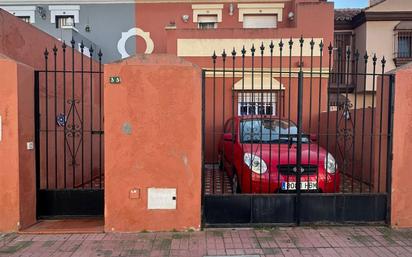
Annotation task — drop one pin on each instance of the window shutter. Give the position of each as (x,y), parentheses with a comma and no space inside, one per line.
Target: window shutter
(259,21)
(207,18)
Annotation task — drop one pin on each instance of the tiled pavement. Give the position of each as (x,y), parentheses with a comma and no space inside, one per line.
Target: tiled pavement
(296,241)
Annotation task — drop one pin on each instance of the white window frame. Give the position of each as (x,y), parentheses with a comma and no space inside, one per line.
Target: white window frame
(22,11)
(253,99)
(23,18)
(214,21)
(276,9)
(64,10)
(275,25)
(64,26)
(208,10)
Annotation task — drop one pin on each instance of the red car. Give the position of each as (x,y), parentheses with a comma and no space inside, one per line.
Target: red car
(259,155)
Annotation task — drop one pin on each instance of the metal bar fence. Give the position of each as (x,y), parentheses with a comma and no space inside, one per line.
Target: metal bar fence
(341,125)
(66,120)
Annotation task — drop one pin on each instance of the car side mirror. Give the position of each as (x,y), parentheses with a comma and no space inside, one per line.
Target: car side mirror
(313,137)
(228,137)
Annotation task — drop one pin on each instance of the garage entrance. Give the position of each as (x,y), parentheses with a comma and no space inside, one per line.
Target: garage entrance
(69,132)
(296,132)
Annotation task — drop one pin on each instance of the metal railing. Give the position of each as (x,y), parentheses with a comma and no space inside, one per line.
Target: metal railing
(348,133)
(69,112)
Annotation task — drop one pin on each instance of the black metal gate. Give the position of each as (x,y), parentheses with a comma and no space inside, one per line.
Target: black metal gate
(69,132)
(296,132)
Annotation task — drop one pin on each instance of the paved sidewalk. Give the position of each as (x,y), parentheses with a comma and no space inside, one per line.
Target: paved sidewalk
(302,241)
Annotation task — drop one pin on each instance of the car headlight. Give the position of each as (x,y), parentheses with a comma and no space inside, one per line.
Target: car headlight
(255,163)
(330,164)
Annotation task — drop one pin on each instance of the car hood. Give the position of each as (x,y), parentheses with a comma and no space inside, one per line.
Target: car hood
(286,154)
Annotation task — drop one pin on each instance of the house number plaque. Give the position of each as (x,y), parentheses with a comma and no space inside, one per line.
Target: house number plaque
(115,80)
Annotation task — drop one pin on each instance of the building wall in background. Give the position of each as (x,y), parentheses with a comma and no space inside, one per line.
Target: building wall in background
(106,22)
(165,27)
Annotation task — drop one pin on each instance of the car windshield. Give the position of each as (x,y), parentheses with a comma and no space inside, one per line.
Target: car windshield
(269,131)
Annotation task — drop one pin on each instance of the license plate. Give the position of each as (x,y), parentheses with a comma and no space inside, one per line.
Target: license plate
(303,185)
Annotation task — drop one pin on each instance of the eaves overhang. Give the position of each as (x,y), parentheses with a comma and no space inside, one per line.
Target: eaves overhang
(363,17)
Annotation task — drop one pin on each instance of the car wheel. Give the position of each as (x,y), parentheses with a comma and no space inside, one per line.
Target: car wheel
(235,184)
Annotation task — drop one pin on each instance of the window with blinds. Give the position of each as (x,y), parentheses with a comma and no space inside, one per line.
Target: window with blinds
(207,21)
(66,21)
(24,18)
(259,21)
(403,43)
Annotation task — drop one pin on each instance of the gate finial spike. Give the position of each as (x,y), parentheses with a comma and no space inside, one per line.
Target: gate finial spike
(55,50)
(330,48)
(271,46)
(281,44)
(82,45)
(243,51)
(224,55)
(253,49)
(348,53)
(64,46)
(366,56)
(91,50)
(301,41)
(72,42)
(374,59)
(214,56)
(383,61)
(321,45)
(234,52)
(100,54)
(290,43)
(312,43)
(46,53)
(262,47)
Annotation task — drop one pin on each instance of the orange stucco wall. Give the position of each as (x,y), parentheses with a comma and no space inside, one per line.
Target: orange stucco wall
(9,177)
(152,139)
(17,174)
(27,172)
(401,213)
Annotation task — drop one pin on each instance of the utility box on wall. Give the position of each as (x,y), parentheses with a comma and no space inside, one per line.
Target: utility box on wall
(152,144)
(161,198)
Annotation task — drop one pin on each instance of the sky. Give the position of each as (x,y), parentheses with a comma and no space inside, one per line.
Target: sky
(350,3)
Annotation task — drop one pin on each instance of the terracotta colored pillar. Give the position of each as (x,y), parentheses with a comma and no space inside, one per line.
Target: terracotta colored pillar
(17,163)
(152,144)
(401,213)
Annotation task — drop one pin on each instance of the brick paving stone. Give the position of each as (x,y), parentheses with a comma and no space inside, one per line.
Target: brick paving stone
(346,252)
(268,242)
(291,252)
(382,251)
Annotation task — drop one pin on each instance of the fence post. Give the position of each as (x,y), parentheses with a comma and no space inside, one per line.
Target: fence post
(37,135)
(202,202)
(389,158)
(299,146)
